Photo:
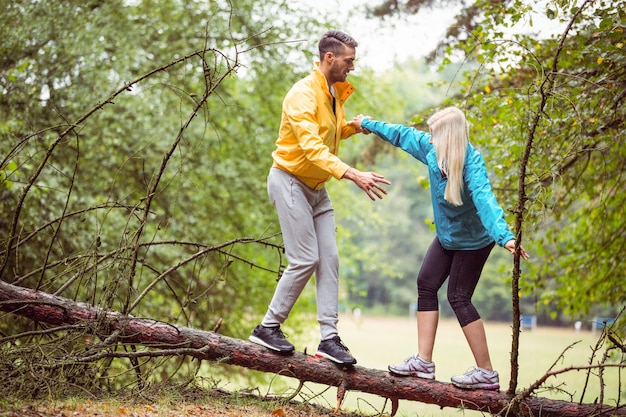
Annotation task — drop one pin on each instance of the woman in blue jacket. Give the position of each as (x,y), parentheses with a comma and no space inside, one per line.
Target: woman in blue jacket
(469,222)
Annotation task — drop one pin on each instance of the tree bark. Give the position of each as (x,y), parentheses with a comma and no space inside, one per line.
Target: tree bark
(47,308)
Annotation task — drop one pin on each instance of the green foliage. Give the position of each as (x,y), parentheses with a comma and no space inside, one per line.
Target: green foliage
(124,205)
(562,96)
(152,202)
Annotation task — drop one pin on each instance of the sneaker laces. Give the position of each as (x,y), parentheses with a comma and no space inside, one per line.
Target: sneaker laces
(411,358)
(471,370)
(427,365)
(480,371)
(280,333)
(338,341)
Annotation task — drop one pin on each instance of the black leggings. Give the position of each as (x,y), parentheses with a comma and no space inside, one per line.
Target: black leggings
(463,267)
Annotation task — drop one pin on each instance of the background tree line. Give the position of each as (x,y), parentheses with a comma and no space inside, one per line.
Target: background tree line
(75,219)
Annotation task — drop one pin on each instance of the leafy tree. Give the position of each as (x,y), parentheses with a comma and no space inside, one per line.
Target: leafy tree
(551,111)
(151,201)
(573,109)
(563,96)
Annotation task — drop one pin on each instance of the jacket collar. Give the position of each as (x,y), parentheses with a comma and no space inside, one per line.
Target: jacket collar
(343,89)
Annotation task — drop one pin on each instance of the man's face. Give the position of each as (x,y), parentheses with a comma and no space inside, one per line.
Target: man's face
(342,64)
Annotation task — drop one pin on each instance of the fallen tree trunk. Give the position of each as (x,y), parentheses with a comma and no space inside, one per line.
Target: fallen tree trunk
(44,307)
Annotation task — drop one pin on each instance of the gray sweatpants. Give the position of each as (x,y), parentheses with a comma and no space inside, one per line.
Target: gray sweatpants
(307,222)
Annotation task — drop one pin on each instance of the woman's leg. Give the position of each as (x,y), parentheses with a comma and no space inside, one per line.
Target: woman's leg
(432,275)
(477,340)
(464,275)
(427,322)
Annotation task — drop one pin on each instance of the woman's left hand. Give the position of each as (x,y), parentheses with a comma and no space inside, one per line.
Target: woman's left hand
(510,246)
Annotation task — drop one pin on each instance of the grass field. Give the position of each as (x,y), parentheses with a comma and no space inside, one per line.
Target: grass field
(377,342)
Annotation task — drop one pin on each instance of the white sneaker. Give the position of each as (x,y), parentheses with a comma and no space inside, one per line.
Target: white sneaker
(477,378)
(414,366)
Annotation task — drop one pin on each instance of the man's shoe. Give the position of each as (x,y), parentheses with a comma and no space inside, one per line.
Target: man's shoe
(414,366)
(336,351)
(272,338)
(477,378)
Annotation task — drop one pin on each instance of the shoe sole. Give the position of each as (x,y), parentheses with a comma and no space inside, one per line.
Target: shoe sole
(258,341)
(417,374)
(332,358)
(477,386)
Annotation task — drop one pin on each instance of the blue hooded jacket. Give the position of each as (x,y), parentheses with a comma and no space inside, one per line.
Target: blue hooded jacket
(473,225)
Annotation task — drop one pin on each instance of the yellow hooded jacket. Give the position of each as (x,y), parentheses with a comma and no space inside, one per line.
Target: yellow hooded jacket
(309,135)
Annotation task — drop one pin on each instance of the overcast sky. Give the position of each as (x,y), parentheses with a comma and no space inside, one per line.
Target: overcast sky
(383,42)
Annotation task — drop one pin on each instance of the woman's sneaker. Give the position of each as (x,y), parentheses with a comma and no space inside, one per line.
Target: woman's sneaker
(477,378)
(414,366)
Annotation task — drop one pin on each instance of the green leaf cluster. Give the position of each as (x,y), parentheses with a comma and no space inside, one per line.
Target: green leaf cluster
(135,143)
(561,97)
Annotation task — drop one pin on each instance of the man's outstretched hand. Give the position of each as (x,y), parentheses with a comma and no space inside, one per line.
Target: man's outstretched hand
(370,182)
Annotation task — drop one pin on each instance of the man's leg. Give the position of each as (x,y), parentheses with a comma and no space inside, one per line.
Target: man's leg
(327,284)
(291,199)
(327,272)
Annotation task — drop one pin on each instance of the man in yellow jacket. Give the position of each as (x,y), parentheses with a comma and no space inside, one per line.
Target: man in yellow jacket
(312,125)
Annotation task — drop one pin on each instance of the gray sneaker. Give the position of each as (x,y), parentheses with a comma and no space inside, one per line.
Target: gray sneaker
(414,366)
(336,351)
(272,338)
(477,378)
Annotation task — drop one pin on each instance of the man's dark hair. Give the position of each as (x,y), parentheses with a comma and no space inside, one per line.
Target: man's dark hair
(335,41)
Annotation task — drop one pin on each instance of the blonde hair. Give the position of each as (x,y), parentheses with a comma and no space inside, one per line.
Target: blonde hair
(450,132)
